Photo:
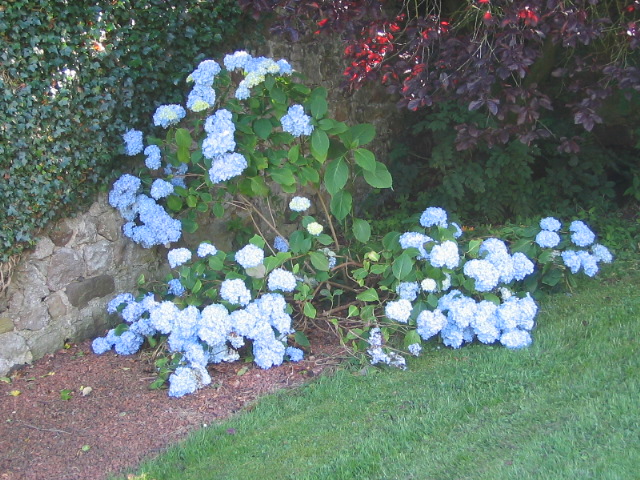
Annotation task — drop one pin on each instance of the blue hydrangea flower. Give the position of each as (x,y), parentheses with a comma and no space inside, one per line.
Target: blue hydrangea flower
(515,339)
(582,236)
(296,122)
(128,343)
(504,263)
(294,354)
(205,249)
(601,253)
(250,256)
(182,382)
(153,160)
(429,323)
(408,290)
(161,188)
(156,227)
(589,263)
(195,354)
(236,61)
(242,92)
(227,166)
(571,260)
(123,194)
(178,256)
(458,232)
(163,316)
(429,285)
(175,287)
(121,298)
(484,273)
(133,142)
(547,239)
(299,204)
(101,345)
(415,240)
(281,244)
(445,255)
(550,224)
(415,349)
(167,115)
(462,310)
(220,129)
(452,335)
(281,279)
(235,291)
(493,246)
(522,266)
(378,355)
(215,324)
(268,354)
(484,322)
(398,310)
(205,73)
(132,312)
(201,97)
(285,67)
(434,216)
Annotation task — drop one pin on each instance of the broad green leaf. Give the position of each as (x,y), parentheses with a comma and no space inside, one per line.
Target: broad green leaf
(402,266)
(282,176)
(174,203)
(370,295)
(324,239)
(183,154)
(301,339)
(380,178)
(411,337)
(318,106)
(391,241)
(336,175)
(183,138)
(319,145)
(258,186)
(192,201)
(299,243)
(309,310)
(293,154)
(309,174)
(362,134)
(361,230)
(189,225)
(365,159)
(341,204)
(262,128)
(278,96)
(218,210)
(319,261)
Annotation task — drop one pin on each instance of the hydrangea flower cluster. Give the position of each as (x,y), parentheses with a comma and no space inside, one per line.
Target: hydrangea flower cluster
(299,204)
(133,142)
(210,335)
(581,236)
(296,122)
(167,115)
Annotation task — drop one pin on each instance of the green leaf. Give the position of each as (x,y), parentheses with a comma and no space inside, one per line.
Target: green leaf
(319,145)
(380,178)
(318,105)
(365,159)
(299,243)
(336,175)
(262,128)
(258,187)
(189,225)
(309,175)
(402,266)
(183,138)
(361,230)
(301,339)
(341,204)
(218,210)
(362,134)
(282,176)
(391,241)
(309,310)
(293,154)
(369,295)
(319,261)
(411,337)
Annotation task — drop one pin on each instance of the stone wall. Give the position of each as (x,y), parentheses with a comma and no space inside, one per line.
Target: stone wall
(59,291)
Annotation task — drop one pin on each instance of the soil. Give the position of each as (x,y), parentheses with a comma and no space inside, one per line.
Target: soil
(76,415)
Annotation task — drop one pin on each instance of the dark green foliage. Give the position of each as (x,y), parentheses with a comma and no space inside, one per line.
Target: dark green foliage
(507,181)
(74,76)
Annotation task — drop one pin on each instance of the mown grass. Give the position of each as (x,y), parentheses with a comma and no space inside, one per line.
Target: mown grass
(565,408)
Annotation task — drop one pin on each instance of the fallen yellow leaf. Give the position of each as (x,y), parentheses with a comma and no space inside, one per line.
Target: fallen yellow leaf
(15,393)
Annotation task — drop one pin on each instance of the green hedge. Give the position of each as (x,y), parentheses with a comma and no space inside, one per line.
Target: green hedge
(74,76)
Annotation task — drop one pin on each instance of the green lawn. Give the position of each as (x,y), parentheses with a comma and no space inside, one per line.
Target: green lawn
(565,408)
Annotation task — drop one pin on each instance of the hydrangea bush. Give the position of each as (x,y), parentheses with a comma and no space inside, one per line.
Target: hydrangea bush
(253,138)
